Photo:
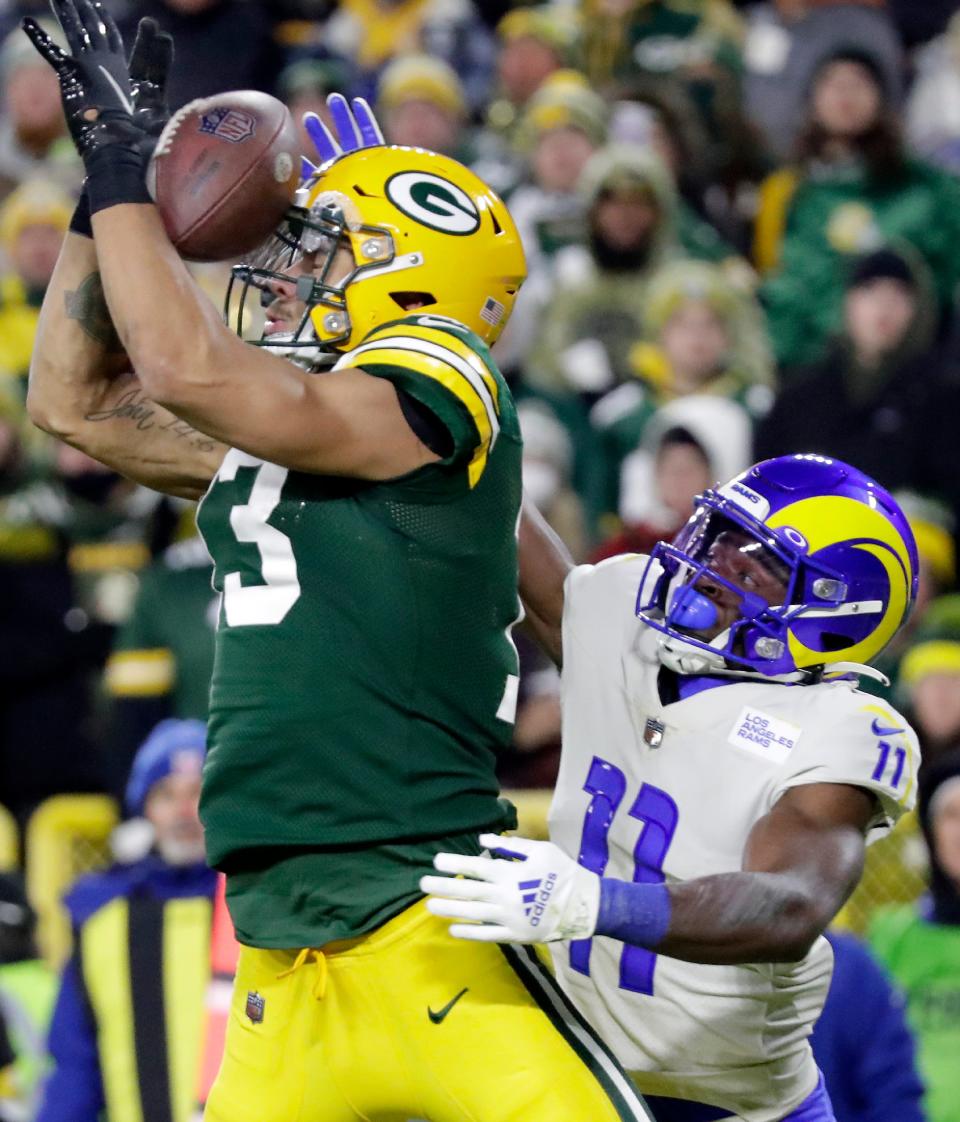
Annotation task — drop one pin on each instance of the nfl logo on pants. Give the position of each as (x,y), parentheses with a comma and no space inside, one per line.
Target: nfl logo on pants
(254,1007)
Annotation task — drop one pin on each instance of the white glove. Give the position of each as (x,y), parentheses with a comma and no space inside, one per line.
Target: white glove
(542,897)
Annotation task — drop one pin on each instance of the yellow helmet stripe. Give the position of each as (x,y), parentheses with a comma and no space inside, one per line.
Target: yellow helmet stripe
(432,358)
(451,341)
(884,631)
(827,519)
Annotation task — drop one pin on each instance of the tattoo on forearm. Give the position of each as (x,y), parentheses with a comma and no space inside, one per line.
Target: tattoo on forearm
(133,405)
(88,306)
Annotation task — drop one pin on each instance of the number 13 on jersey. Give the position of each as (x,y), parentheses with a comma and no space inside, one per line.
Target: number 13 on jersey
(658,815)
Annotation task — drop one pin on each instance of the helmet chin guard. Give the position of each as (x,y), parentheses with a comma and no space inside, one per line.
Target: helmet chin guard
(837,543)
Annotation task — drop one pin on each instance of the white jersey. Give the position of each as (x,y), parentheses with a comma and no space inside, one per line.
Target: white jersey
(653,792)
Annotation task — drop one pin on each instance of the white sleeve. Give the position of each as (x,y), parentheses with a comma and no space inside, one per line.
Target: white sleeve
(603,597)
(859,740)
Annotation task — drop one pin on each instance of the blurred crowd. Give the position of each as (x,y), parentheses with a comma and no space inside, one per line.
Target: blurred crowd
(742,226)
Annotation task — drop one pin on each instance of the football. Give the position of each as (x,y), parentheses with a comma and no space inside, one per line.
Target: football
(224,172)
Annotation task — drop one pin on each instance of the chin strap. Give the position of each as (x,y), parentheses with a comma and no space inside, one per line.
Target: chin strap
(844,669)
(686,659)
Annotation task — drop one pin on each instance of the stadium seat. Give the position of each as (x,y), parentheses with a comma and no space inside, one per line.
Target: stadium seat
(67,836)
(9,842)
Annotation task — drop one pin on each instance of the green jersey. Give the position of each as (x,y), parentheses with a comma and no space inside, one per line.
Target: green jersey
(924,959)
(165,649)
(364,676)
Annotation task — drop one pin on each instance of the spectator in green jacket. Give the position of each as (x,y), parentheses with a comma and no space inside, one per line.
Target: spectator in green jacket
(162,657)
(700,336)
(851,188)
(920,944)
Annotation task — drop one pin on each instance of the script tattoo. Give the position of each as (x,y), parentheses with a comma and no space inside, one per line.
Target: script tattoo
(88,306)
(133,405)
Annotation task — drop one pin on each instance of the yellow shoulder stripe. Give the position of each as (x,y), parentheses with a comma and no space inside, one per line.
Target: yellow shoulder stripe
(451,342)
(445,367)
(144,673)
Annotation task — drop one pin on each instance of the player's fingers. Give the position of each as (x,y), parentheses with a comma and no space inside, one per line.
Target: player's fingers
(89,23)
(462,865)
(67,18)
(53,53)
(140,51)
(161,60)
(108,27)
(478,911)
(481,932)
(456,888)
(343,122)
(370,132)
(327,148)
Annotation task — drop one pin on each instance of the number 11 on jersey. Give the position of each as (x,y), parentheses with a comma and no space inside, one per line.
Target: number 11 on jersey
(658,814)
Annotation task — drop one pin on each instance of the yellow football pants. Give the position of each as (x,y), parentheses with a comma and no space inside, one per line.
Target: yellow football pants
(410,1023)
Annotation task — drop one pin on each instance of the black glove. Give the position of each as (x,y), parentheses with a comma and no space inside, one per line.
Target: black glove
(149,66)
(98,99)
(94,80)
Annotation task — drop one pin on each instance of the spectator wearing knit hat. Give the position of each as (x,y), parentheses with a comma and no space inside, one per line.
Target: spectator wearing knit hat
(421,104)
(563,124)
(920,943)
(126,1027)
(532,44)
(698,336)
(929,679)
(932,524)
(33,222)
(33,133)
(372,32)
(595,316)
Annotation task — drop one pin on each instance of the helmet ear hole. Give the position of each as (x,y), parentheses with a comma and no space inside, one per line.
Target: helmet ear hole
(833,642)
(408,301)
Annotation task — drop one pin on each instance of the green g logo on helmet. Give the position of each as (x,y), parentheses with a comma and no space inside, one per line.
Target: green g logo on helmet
(434,202)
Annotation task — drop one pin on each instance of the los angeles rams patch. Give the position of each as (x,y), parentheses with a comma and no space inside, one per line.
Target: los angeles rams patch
(768,737)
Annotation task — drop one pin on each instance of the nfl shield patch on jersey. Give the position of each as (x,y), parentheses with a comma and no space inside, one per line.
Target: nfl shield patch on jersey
(768,737)
(254,1007)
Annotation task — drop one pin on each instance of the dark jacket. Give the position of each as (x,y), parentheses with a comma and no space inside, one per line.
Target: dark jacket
(902,432)
(862,1043)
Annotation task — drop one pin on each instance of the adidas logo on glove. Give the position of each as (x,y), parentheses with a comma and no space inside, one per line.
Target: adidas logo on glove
(535,902)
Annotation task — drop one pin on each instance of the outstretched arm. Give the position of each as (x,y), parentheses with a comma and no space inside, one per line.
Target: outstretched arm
(801,862)
(82,388)
(544,564)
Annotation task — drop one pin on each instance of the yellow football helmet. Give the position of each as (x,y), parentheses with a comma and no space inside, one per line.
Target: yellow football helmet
(421,230)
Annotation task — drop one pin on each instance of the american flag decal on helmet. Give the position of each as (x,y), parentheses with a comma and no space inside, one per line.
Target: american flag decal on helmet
(492,311)
(254,1007)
